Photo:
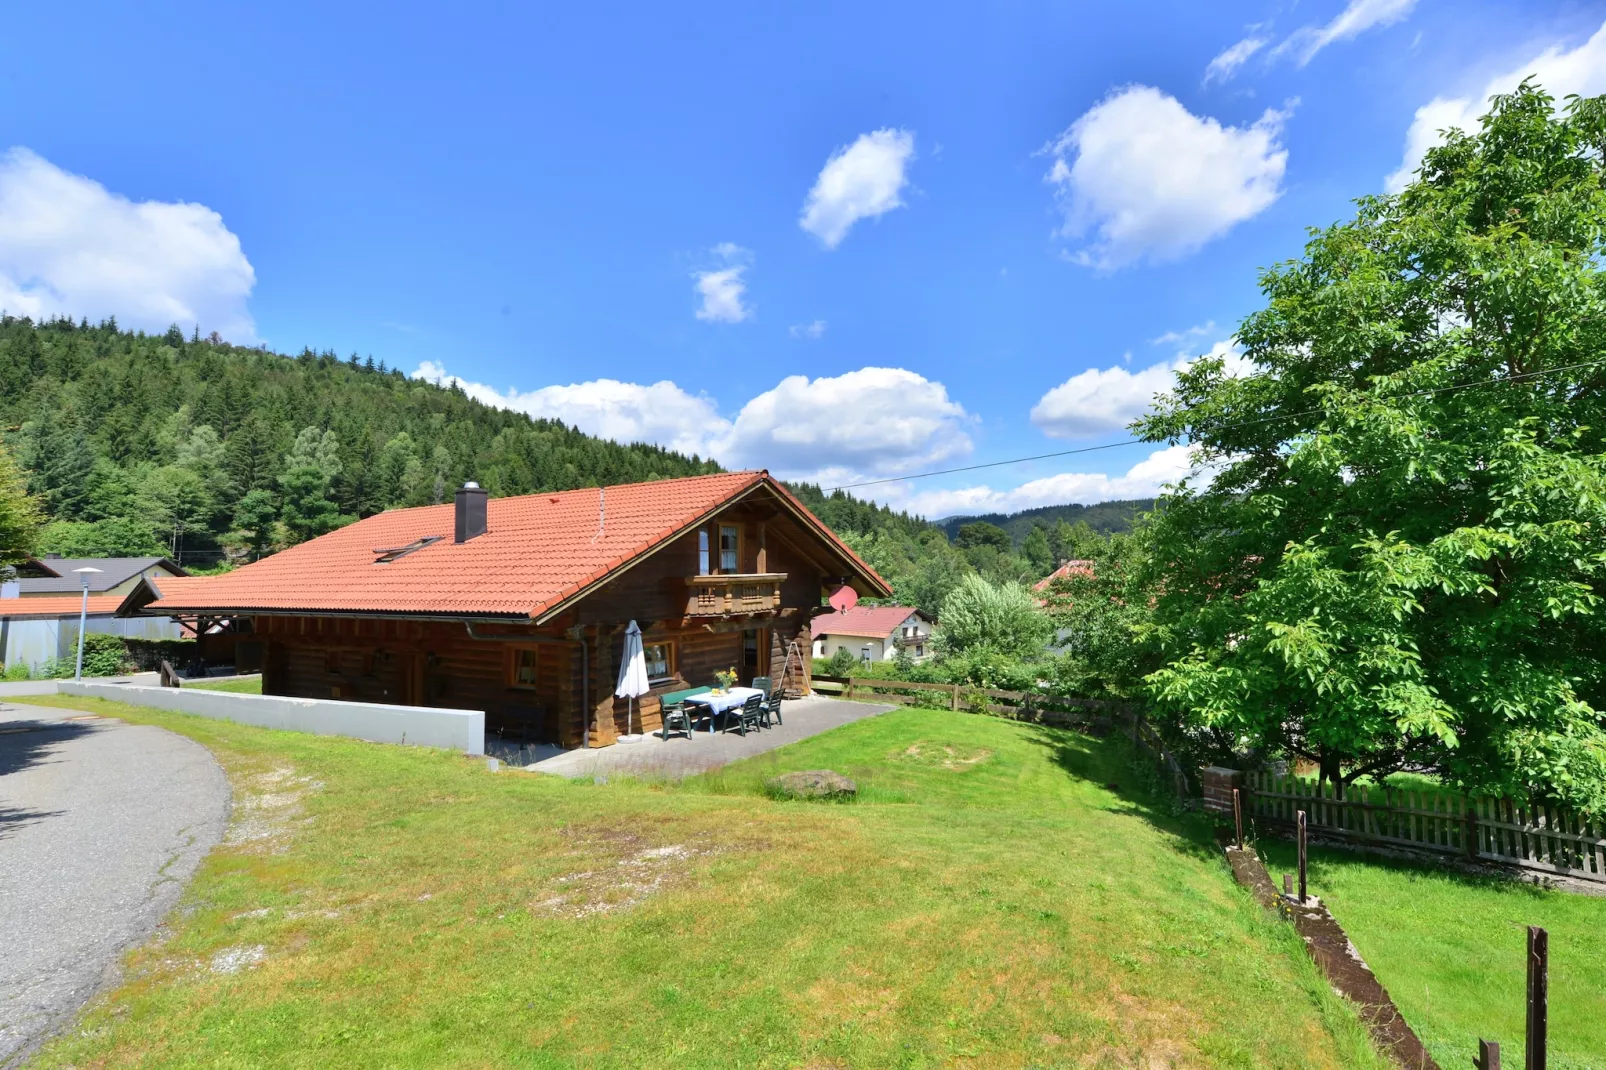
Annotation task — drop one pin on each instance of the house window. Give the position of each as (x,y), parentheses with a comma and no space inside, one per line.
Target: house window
(521,667)
(729,543)
(920,650)
(864,655)
(702,551)
(660,661)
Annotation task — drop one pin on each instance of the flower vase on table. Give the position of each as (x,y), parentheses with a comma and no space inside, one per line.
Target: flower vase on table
(727,680)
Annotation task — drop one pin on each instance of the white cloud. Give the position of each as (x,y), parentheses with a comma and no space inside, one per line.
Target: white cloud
(1226,64)
(1151,180)
(661,413)
(1357,17)
(722,289)
(876,421)
(70,247)
(861,181)
(1100,400)
(811,331)
(869,422)
(1171,338)
(1581,70)
(1143,480)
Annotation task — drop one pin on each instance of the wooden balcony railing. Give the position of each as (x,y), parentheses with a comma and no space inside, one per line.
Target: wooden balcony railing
(724,595)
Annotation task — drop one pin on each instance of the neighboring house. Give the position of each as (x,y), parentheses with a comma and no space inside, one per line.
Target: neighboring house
(34,630)
(872,633)
(52,576)
(1066,570)
(518,606)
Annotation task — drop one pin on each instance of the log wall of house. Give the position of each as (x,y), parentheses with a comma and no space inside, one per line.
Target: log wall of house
(439,663)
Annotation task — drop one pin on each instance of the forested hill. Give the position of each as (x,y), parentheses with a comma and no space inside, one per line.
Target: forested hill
(1106,518)
(160,443)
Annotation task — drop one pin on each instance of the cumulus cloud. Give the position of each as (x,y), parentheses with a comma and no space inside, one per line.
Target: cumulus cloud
(870,422)
(1143,480)
(877,421)
(722,289)
(811,331)
(1226,64)
(861,181)
(1151,180)
(1357,17)
(70,247)
(660,412)
(1101,400)
(1557,70)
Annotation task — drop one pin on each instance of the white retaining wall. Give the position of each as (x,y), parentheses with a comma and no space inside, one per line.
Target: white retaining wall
(423,726)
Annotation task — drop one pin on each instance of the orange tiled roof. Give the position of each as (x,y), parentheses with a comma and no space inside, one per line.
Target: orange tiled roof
(538,551)
(1064,572)
(873,622)
(64,606)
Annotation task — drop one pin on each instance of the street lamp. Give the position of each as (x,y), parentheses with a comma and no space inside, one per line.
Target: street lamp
(83,617)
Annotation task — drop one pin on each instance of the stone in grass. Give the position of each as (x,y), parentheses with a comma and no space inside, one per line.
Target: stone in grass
(813,784)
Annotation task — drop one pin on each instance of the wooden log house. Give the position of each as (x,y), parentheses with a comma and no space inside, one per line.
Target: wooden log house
(518,606)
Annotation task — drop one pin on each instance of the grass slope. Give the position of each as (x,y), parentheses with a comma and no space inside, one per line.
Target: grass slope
(251,685)
(988,902)
(1450,949)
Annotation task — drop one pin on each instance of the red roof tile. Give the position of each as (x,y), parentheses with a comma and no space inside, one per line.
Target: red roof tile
(874,622)
(538,551)
(63,606)
(1064,572)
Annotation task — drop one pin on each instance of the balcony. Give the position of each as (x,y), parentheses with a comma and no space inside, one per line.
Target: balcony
(733,594)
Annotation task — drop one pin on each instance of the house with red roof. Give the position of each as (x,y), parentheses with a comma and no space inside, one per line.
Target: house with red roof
(873,633)
(518,606)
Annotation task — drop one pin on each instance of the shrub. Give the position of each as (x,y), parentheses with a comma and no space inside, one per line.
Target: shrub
(104,655)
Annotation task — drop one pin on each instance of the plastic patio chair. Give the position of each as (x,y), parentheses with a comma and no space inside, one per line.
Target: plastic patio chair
(676,719)
(748,715)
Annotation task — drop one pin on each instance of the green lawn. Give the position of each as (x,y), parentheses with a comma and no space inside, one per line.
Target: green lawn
(1450,949)
(987,903)
(251,685)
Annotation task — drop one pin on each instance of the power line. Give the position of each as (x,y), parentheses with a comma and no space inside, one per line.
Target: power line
(1519,377)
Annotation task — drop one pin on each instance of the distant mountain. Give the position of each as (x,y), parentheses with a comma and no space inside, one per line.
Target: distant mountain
(1106,518)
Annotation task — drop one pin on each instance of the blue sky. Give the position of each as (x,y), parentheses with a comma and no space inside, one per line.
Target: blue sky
(843,242)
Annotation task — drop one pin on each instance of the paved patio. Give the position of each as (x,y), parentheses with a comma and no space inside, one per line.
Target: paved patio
(678,756)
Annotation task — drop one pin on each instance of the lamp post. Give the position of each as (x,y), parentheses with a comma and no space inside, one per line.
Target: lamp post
(83,617)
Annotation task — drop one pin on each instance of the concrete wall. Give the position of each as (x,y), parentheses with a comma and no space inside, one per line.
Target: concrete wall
(422,726)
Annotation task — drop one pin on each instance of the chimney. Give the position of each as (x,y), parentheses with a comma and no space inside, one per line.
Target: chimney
(470,500)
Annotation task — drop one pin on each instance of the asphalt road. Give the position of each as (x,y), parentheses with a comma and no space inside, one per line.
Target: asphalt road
(101,825)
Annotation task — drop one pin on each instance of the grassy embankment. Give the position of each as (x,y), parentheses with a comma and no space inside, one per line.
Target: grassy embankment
(987,902)
(251,685)
(1450,949)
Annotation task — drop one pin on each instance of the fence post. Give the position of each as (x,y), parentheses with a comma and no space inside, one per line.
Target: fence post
(955,700)
(1471,844)
(1538,996)
(1301,818)
(1238,815)
(1488,1055)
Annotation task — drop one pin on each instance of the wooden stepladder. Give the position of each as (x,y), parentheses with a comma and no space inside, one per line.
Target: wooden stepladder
(794,674)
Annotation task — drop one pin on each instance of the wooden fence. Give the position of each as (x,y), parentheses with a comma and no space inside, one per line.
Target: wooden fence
(1060,711)
(1544,838)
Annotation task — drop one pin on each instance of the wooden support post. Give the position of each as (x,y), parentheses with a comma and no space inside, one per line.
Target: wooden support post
(1302,886)
(1488,1055)
(1288,885)
(1238,815)
(955,706)
(1538,996)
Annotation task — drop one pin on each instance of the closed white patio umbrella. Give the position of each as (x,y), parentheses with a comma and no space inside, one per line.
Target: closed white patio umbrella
(632,676)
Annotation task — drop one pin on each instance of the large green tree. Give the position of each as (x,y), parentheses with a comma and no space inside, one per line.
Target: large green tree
(1398,564)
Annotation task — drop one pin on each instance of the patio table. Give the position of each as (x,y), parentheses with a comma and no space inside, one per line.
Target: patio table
(718,704)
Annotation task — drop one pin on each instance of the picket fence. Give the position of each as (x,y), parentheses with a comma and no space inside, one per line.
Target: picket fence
(1060,711)
(1534,836)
